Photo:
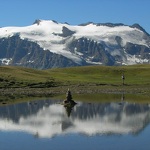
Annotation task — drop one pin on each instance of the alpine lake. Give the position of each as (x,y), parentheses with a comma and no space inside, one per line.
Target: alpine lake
(96,122)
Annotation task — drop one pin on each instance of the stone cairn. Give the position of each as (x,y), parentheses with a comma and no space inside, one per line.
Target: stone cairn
(68,99)
(68,96)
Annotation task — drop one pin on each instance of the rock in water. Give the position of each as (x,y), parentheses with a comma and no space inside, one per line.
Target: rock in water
(69,100)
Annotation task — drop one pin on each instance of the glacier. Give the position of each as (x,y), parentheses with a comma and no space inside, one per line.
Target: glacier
(50,35)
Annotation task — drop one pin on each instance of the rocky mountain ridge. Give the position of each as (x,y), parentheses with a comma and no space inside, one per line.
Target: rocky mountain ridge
(49,44)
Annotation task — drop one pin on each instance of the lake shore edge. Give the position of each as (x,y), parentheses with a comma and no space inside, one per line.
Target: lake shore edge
(48,92)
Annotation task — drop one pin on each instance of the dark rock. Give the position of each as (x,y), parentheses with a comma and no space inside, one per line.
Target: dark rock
(37,21)
(136,25)
(66,32)
(68,101)
(90,48)
(30,54)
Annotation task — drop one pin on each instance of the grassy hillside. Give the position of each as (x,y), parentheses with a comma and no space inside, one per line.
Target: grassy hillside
(99,75)
(135,75)
(18,82)
(23,77)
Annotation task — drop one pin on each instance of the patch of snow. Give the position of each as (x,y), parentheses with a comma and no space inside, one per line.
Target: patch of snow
(132,59)
(94,63)
(5,61)
(77,53)
(30,61)
(43,34)
(116,52)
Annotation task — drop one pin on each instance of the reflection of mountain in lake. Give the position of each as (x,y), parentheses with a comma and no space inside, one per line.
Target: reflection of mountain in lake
(48,118)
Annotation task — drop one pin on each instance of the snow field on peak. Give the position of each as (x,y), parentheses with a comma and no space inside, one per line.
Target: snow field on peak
(46,35)
(45,30)
(108,34)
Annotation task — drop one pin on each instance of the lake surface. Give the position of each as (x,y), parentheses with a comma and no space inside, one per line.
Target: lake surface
(48,125)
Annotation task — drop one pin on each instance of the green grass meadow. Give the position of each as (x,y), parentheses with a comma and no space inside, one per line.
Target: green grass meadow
(86,83)
(101,75)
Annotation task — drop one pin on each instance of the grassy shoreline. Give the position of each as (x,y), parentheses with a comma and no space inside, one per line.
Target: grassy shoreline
(77,89)
(19,82)
(16,93)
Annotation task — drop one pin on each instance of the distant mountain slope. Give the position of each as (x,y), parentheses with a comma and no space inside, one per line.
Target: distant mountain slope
(49,44)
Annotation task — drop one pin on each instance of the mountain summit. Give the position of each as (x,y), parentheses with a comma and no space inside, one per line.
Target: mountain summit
(48,44)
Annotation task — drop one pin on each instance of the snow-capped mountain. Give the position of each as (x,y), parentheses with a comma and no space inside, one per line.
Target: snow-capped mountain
(47,44)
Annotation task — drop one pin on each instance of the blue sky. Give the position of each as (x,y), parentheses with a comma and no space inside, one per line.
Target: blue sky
(25,12)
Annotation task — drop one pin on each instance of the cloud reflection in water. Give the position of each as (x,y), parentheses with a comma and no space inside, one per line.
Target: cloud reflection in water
(48,119)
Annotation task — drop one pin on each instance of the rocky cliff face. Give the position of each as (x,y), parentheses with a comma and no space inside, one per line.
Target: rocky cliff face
(17,52)
(93,52)
(49,44)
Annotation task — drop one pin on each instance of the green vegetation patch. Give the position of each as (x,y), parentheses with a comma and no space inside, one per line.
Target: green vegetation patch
(96,78)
